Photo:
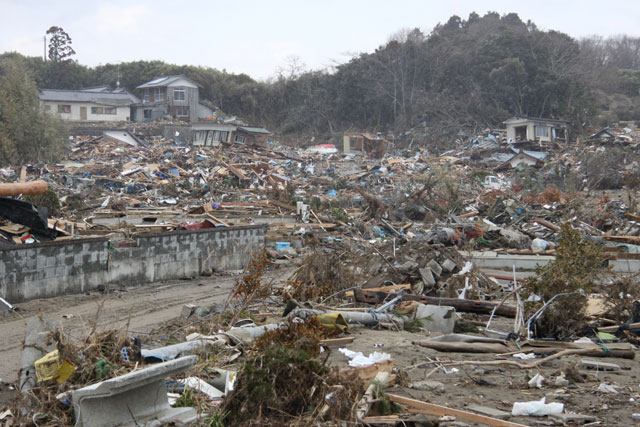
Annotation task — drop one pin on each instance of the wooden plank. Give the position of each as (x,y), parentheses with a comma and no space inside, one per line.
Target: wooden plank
(546,223)
(469,214)
(336,342)
(464,305)
(632,217)
(634,240)
(419,407)
(219,221)
(616,327)
(382,289)
(382,420)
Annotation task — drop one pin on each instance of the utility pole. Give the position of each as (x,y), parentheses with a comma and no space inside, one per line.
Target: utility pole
(45,48)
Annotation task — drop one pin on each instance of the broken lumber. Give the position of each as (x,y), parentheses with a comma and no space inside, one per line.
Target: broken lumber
(405,286)
(17,188)
(463,305)
(473,306)
(616,327)
(612,350)
(368,398)
(419,407)
(546,223)
(337,342)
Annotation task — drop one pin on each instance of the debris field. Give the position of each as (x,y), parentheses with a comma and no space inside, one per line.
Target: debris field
(492,284)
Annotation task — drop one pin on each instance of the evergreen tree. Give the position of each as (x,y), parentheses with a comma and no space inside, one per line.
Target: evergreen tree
(27,134)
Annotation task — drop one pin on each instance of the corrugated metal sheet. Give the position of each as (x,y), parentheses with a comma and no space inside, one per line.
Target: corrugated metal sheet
(87,96)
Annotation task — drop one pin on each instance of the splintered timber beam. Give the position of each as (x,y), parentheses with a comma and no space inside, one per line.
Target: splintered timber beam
(373,296)
(17,188)
(419,407)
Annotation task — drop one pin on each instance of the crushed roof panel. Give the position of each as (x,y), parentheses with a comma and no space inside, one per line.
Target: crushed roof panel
(253,129)
(107,98)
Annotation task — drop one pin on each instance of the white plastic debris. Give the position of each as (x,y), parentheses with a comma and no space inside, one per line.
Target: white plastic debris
(358,359)
(536,381)
(607,388)
(106,202)
(202,386)
(536,408)
(583,340)
(462,294)
(539,244)
(524,356)
(466,269)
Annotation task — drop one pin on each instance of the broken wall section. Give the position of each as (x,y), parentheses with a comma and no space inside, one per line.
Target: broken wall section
(51,269)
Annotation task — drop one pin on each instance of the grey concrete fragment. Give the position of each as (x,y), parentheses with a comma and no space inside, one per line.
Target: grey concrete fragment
(34,342)
(427,277)
(437,318)
(600,366)
(572,418)
(287,252)
(429,385)
(489,412)
(448,265)
(187,310)
(435,267)
(136,398)
(561,382)
(408,266)
(201,312)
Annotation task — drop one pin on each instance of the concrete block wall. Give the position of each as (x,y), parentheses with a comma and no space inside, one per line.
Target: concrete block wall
(74,266)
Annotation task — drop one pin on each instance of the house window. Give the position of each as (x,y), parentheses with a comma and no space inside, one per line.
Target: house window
(182,112)
(201,136)
(146,114)
(146,95)
(541,131)
(240,139)
(47,107)
(64,108)
(224,135)
(110,110)
(96,110)
(158,95)
(178,94)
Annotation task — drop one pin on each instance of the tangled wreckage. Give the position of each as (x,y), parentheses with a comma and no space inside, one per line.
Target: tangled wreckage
(494,284)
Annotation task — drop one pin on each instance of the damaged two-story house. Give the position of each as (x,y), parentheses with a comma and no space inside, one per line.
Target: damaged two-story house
(173,97)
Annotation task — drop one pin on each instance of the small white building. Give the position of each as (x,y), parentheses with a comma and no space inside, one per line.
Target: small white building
(521,129)
(212,134)
(97,104)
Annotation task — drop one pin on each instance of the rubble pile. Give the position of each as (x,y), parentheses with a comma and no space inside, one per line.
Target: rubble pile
(414,282)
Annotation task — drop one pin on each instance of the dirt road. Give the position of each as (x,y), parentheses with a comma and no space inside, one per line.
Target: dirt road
(145,307)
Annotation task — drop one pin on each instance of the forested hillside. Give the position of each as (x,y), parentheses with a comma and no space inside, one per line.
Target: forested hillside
(464,73)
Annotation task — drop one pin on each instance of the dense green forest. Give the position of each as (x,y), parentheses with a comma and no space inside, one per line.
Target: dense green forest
(467,74)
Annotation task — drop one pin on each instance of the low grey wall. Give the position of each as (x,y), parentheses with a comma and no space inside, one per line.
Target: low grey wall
(50,269)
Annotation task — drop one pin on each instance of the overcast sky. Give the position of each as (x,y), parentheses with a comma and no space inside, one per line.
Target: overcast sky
(259,36)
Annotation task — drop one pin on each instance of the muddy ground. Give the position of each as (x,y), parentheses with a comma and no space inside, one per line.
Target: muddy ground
(144,308)
(155,308)
(500,386)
